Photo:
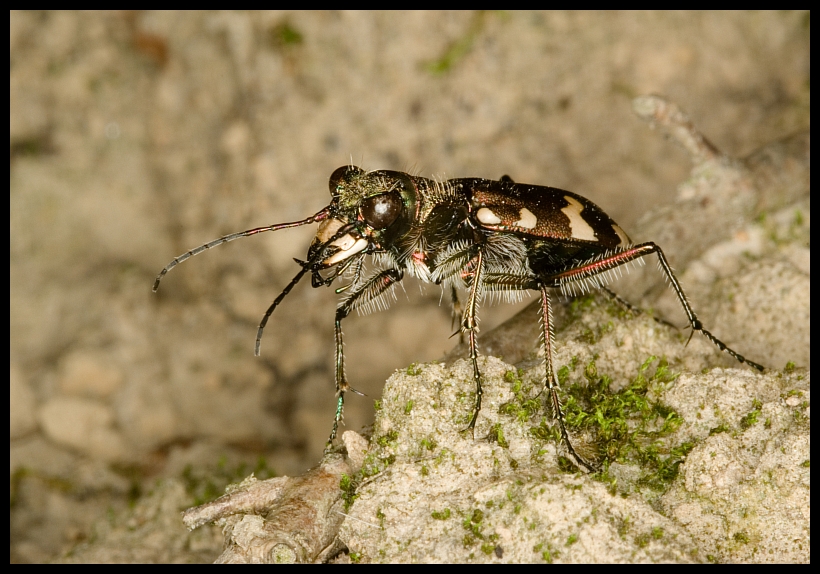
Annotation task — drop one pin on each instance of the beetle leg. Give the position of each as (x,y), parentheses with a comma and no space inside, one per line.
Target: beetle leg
(357,272)
(609,262)
(632,308)
(369,291)
(550,382)
(502,281)
(469,323)
(510,282)
(457,312)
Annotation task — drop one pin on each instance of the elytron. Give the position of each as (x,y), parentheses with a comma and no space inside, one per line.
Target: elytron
(474,234)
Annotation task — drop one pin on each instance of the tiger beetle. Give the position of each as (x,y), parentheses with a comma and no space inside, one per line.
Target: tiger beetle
(476,234)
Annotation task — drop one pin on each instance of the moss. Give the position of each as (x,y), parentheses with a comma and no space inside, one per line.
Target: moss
(443,515)
(387,439)
(581,306)
(208,483)
(657,533)
(473,524)
(523,406)
(741,537)
(442,455)
(496,435)
(666,467)
(348,485)
(284,35)
(428,443)
(373,464)
(751,417)
(723,427)
(630,426)
(546,432)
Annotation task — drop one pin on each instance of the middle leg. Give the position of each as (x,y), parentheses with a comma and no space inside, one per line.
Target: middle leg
(469,323)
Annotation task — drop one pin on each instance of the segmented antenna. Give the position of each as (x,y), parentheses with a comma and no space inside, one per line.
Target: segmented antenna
(307,266)
(321,215)
(269,312)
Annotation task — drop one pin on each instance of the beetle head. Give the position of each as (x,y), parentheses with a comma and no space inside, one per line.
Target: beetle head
(368,211)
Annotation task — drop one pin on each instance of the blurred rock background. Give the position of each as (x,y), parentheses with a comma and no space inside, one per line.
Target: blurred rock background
(135,136)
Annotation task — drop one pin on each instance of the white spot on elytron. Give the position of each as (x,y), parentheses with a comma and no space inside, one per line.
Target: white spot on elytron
(528,220)
(621,234)
(487,217)
(578,226)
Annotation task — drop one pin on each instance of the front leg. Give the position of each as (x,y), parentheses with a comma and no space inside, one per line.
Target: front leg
(368,292)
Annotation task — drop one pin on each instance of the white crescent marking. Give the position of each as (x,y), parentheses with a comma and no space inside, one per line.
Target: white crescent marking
(577,224)
(528,219)
(621,234)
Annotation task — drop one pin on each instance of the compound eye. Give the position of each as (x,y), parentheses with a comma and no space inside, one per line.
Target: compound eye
(380,211)
(341,175)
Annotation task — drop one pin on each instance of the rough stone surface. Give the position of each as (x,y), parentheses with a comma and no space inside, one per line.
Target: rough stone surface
(742,493)
(135,136)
